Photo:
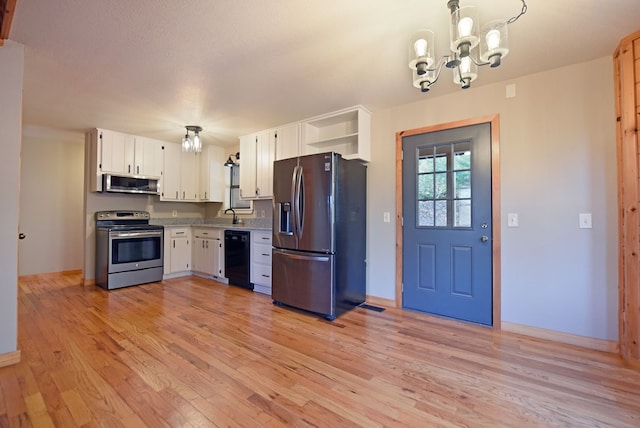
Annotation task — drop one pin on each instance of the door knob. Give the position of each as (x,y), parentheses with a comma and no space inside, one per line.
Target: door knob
(21,236)
(484,238)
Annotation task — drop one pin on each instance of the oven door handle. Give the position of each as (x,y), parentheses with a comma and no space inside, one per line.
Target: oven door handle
(141,234)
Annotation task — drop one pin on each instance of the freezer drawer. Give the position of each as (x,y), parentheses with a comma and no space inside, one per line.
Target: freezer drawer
(304,281)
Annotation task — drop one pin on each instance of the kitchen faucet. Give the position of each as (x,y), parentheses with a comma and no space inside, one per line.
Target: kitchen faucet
(235,217)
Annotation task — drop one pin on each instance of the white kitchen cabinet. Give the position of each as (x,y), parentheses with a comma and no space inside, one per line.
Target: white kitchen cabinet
(208,255)
(261,261)
(347,132)
(180,174)
(248,144)
(256,173)
(189,177)
(287,141)
(148,159)
(265,155)
(212,171)
(177,251)
(117,151)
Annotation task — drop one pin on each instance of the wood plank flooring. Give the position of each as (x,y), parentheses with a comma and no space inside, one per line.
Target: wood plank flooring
(195,353)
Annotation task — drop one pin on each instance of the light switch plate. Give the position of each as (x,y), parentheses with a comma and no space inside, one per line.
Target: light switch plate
(512,220)
(585,220)
(386,216)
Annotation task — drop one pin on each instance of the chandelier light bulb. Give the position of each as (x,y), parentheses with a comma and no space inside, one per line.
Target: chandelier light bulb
(465,26)
(493,39)
(420,47)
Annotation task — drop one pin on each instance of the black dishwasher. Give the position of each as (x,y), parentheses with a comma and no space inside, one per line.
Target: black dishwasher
(237,257)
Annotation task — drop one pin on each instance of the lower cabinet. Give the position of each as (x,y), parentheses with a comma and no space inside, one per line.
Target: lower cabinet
(261,261)
(177,251)
(207,252)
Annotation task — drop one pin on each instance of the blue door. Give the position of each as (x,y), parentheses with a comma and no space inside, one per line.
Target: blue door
(447,245)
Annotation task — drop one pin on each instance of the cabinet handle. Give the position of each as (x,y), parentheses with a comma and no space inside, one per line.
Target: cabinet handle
(266,276)
(265,237)
(129,169)
(207,244)
(183,194)
(205,195)
(265,254)
(174,243)
(202,244)
(176,194)
(138,169)
(257,191)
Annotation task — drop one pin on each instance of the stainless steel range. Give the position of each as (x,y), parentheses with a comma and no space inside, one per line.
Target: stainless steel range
(129,250)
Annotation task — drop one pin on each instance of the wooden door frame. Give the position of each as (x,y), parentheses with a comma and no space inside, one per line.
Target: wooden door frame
(494,121)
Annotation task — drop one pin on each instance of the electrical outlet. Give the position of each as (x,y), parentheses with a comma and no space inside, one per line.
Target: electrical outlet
(174,213)
(386,217)
(512,220)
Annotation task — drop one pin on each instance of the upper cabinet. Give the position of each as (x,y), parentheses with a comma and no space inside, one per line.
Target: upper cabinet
(180,180)
(256,165)
(347,132)
(287,140)
(248,144)
(148,157)
(212,185)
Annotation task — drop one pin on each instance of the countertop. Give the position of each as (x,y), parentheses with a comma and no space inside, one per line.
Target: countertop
(248,224)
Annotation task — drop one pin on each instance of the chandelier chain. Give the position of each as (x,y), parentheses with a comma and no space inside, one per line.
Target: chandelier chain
(522,12)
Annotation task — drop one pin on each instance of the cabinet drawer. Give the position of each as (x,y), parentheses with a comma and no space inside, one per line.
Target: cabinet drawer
(261,274)
(206,233)
(261,253)
(179,232)
(261,238)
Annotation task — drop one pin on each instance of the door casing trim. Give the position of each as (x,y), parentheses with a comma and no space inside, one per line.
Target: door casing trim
(494,121)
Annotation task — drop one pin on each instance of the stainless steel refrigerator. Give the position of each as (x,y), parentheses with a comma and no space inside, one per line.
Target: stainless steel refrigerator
(319,233)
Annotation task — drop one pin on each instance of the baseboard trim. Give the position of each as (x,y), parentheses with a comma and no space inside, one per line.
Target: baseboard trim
(48,275)
(9,359)
(567,338)
(381,301)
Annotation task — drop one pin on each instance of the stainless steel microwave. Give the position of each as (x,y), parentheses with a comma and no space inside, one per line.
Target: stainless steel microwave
(128,184)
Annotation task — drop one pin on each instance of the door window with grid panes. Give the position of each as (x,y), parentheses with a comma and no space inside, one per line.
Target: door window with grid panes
(444,186)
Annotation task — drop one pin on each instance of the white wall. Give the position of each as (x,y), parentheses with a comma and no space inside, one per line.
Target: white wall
(51,200)
(11,72)
(557,159)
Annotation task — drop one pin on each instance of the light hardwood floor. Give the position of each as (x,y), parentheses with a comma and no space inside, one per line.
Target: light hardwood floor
(191,352)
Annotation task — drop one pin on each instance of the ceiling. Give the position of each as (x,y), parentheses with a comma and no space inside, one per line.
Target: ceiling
(150,67)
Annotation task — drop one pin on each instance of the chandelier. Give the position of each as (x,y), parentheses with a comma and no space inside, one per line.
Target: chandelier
(192,144)
(470,45)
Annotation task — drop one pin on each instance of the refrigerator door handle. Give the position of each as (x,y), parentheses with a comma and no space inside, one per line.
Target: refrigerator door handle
(307,258)
(301,202)
(294,213)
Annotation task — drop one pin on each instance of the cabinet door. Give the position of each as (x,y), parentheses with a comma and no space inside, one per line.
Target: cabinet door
(180,254)
(114,151)
(216,256)
(170,184)
(198,255)
(248,145)
(189,176)
(212,185)
(288,142)
(265,155)
(148,157)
